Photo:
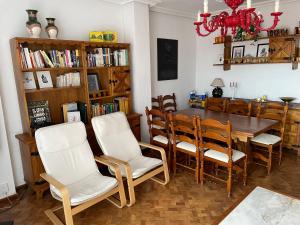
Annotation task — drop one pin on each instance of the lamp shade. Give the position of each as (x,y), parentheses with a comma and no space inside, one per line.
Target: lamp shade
(217,82)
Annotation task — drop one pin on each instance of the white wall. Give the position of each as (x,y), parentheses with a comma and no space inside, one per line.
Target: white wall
(273,80)
(74,19)
(6,173)
(181,29)
(136,24)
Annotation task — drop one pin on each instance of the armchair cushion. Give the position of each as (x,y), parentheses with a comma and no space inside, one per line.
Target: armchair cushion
(236,155)
(87,188)
(267,139)
(140,165)
(115,137)
(65,152)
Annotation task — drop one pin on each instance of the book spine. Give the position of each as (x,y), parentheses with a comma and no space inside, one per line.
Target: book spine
(27,57)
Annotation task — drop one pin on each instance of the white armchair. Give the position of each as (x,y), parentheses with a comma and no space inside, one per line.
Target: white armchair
(72,172)
(120,146)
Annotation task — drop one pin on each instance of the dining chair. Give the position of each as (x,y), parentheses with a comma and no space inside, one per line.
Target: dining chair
(215,104)
(156,103)
(169,103)
(239,107)
(274,138)
(72,173)
(215,147)
(120,146)
(184,140)
(159,130)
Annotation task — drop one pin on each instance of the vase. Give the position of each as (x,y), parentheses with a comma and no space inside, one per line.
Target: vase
(51,29)
(33,25)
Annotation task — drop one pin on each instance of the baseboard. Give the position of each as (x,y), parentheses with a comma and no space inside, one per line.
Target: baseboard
(4,201)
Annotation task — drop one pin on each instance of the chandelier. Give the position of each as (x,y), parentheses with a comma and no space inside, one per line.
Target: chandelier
(247,19)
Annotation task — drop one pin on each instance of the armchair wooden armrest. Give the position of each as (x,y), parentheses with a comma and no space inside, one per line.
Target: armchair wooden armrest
(120,163)
(109,163)
(51,180)
(156,148)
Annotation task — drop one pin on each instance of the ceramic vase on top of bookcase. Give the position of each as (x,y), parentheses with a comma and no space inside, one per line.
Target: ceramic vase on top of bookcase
(51,29)
(33,25)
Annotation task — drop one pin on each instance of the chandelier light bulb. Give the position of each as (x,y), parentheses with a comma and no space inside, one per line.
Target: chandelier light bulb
(248,4)
(276,6)
(199,16)
(205,6)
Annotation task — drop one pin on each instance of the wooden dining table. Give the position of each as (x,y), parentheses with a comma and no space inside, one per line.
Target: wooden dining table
(243,127)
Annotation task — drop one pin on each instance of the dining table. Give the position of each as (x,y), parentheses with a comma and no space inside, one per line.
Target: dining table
(243,127)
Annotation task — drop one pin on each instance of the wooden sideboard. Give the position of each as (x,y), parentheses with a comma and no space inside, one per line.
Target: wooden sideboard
(32,164)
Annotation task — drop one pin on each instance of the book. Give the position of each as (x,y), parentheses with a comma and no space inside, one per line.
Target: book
(93,83)
(73,116)
(44,79)
(68,107)
(82,107)
(39,114)
(29,82)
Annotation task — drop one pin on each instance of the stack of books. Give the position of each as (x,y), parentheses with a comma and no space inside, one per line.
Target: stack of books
(68,80)
(100,57)
(53,58)
(119,104)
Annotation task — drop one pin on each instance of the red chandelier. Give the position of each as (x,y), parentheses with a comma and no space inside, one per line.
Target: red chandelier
(247,19)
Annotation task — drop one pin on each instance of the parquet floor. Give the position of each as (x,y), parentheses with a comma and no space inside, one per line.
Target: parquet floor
(180,202)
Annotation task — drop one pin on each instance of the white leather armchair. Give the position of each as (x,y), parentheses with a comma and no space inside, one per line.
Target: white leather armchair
(120,146)
(72,172)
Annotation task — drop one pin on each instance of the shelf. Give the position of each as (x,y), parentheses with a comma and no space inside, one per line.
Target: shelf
(106,67)
(51,89)
(287,62)
(264,38)
(53,69)
(109,96)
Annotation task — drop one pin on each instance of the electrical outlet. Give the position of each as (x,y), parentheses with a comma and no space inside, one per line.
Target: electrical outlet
(4,189)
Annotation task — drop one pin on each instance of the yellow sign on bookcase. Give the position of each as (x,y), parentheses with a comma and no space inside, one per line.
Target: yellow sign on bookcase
(103,36)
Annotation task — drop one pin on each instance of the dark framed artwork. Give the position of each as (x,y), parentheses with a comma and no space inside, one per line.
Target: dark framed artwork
(167,59)
(238,51)
(262,50)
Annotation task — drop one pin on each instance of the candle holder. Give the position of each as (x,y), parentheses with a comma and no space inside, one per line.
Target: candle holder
(233,86)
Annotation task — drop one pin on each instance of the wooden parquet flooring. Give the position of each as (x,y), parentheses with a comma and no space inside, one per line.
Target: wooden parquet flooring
(181,202)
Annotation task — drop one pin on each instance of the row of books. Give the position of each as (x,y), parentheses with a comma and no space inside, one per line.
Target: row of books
(106,57)
(68,80)
(119,104)
(53,58)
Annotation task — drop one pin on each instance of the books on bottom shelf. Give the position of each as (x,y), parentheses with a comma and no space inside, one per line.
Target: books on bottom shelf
(74,111)
(119,104)
(68,80)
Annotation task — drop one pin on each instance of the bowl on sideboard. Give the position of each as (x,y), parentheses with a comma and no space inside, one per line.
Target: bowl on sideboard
(287,99)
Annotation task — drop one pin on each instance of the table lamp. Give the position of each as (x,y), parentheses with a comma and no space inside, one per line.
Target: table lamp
(217,83)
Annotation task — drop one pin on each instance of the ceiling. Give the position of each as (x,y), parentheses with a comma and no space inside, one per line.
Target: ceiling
(193,6)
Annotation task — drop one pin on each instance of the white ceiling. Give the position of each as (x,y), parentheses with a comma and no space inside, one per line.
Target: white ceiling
(192,6)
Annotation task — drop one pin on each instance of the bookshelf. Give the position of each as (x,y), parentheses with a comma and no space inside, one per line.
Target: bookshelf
(111,67)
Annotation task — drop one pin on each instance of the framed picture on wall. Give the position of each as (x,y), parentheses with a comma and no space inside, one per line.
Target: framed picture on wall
(262,50)
(167,59)
(238,51)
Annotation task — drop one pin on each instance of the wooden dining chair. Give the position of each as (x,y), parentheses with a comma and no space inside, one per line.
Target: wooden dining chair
(215,104)
(169,103)
(120,146)
(184,140)
(266,142)
(159,130)
(239,107)
(156,103)
(215,146)
(72,173)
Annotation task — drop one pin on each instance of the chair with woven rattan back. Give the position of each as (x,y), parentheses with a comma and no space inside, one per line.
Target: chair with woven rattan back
(215,104)
(169,103)
(215,147)
(239,107)
(184,140)
(274,138)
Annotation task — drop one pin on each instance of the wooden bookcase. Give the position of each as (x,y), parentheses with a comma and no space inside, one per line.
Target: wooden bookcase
(114,82)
